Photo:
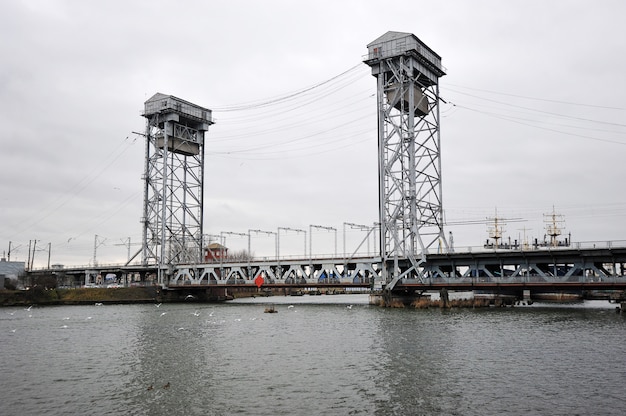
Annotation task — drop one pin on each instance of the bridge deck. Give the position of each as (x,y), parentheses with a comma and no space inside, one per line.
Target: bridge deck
(562,268)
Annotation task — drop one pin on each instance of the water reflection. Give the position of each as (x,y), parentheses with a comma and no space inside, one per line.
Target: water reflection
(310,359)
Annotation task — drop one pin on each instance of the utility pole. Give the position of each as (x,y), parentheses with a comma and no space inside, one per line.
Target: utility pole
(32,260)
(49,250)
(28,260)
(322,227)
(359,227)
(126,243)
(95,248)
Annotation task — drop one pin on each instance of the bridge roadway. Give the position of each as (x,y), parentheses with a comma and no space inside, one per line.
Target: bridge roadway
(559,269)
(589,272)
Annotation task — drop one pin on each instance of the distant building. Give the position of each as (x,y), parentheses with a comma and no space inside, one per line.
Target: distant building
(10,270)
(215,252)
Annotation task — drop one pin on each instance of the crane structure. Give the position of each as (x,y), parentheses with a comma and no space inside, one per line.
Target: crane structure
(409,153)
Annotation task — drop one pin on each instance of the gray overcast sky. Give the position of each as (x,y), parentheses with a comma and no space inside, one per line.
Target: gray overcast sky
(534,116)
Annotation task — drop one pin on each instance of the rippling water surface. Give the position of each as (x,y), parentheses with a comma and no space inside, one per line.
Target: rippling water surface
(327,358)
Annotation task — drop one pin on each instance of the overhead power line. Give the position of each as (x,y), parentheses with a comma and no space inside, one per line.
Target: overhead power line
(540,99)
(266,102)
(542,111)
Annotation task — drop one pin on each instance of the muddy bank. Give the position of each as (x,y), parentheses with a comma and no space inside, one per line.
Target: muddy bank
(81,296)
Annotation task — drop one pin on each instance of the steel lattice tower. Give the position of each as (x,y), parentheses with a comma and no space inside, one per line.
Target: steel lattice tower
(409,157)
(173,182)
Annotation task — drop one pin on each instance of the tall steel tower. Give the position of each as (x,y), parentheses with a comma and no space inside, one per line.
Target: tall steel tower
(409,158)
(174,182)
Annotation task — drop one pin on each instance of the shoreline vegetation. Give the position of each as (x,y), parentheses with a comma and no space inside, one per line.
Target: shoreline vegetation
(78,296)
(152,294)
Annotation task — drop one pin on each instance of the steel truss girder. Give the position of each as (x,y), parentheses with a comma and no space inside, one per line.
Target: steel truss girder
(361,271)
(538,266)
(527,266)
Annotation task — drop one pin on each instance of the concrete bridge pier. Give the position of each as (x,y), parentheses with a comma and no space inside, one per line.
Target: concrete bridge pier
(396,299)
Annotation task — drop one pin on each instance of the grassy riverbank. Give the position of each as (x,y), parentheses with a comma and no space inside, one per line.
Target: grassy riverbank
(81,296)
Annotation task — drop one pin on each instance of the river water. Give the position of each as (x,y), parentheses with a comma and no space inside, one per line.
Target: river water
(325,358)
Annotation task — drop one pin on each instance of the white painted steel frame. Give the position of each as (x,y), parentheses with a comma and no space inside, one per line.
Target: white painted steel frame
(173,198)
(409,165)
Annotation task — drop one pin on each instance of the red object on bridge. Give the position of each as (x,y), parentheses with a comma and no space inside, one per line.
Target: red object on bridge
(258,281)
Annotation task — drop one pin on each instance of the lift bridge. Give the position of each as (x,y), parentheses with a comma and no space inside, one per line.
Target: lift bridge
(596,269)
(414,254)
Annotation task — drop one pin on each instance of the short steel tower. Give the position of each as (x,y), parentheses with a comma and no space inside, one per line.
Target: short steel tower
(174,182)
(409,163)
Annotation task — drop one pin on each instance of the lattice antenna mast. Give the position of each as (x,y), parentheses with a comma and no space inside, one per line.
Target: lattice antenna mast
(173,182)
(409,155)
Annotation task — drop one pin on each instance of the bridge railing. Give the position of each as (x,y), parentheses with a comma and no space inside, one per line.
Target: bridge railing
(580,245)
(98,266)
(599,244)
(341,257)
(526,279)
